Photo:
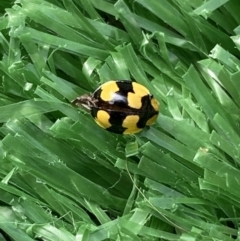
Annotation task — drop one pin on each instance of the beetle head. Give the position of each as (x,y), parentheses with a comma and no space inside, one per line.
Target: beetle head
(85,101)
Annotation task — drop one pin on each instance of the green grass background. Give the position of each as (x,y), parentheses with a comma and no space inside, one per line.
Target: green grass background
(63,178)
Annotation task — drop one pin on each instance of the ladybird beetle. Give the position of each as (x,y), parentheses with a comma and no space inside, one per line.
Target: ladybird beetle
(122,107)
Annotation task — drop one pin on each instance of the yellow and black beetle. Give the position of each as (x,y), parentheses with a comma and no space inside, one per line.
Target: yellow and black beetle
(122,107)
